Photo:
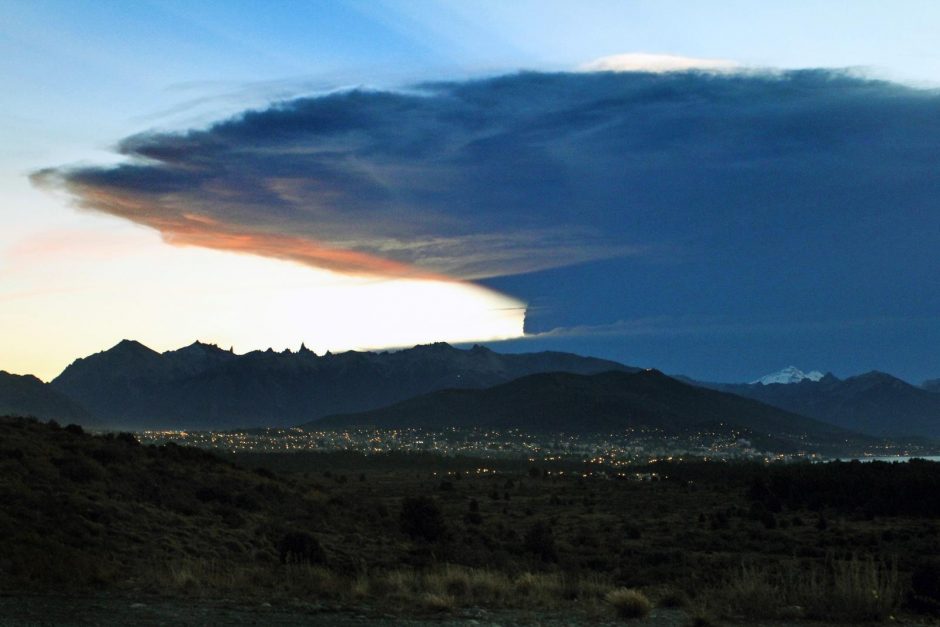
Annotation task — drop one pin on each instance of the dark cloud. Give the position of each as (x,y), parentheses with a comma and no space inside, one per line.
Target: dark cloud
(528,171)
(755,198)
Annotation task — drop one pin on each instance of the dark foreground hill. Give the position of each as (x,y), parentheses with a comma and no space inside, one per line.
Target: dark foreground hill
(87,510)
(604,403)
(202,386)
(25,395)
(874,403)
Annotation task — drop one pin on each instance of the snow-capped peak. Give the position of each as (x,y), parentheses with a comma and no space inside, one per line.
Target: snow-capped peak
(790,374)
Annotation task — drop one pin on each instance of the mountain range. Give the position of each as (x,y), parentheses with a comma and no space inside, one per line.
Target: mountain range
(875,403)
(204,387)
(606,402)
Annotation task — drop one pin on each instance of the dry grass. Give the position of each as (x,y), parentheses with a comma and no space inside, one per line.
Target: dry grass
(861,589)
(470,586)
(196,577)
(437,602)
(854,590)
(439,589)
(629,603)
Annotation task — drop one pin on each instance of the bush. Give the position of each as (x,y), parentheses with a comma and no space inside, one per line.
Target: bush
(299,547)
(925,586)
(78,469)
(421,519)
(127,438)
(673,598)
(629,603)
(539,540)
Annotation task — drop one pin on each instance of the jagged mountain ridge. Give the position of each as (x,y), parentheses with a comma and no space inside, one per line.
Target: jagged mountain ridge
(875,403)
(202,386)
(604,402)
(790,374)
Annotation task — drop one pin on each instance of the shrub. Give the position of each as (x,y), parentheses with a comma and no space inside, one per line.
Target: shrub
(701,619)
(473,518)
(78,469)
(673,598)
(539,540)
(421,519)
(629,603)
(264,472)
(127,438)
(299,547)
(925,586)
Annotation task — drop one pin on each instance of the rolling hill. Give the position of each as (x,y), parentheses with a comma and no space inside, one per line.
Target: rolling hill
(25,395)
(604,402)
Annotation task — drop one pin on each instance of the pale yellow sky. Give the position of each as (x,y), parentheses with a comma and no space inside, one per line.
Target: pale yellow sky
(73,289)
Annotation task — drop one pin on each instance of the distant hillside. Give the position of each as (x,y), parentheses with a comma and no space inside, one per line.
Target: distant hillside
(931,385)
(604,402)
(874,403)
(202,386)
(25,395)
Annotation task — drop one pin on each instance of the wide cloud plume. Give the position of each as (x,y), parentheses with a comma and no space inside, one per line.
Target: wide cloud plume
(529,171)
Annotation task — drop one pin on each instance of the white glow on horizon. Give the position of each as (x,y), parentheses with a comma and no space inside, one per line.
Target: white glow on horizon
(69,294)
(658,63)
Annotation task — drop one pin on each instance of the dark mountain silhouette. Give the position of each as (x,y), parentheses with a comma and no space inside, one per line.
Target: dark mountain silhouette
(874,403)
(202,386)
(604,402)
(931,385)
(25,395)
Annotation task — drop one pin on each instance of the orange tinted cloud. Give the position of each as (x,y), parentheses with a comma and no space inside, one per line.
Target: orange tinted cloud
(192,229)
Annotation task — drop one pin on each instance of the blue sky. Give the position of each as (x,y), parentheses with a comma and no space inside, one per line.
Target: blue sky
(823,257)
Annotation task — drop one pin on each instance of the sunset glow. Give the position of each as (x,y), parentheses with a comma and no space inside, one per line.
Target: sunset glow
(133,285)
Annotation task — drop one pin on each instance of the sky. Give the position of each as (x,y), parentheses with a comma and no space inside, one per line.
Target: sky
(717,189)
